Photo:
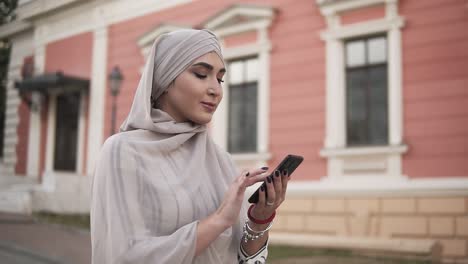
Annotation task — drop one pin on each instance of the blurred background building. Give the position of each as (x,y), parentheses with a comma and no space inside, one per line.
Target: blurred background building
(373,94)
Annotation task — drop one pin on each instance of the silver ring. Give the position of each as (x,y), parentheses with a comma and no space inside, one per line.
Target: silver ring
(270,203)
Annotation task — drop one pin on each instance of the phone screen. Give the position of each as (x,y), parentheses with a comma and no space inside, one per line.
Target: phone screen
(289,163)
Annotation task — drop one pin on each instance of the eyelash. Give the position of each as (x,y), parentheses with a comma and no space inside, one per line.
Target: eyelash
(204,76)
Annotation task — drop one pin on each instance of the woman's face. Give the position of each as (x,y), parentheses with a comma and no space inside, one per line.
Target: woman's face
(196,92)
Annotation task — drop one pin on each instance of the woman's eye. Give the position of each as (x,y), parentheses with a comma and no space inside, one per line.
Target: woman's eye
(200,76)
(220,80)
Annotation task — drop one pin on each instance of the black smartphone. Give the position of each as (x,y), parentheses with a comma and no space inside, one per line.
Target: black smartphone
(289,163)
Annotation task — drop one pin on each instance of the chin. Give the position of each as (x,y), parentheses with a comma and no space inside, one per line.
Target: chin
(202,120)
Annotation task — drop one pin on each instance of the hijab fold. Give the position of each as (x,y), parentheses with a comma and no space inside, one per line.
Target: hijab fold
(157,178)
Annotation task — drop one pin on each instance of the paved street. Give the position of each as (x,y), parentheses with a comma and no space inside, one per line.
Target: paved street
(24,241)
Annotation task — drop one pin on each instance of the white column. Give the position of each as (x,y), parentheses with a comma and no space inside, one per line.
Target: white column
(34,137)
(81,133)
(97,97)
(263,107)
(395,78)
(51,121)
(335,95)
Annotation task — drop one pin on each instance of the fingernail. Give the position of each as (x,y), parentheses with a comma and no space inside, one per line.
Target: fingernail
(285,172)
(277,173)
(262,188)
(264,168)
(248,173)
(269,179)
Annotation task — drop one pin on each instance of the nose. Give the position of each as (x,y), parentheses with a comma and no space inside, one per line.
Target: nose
(215,89)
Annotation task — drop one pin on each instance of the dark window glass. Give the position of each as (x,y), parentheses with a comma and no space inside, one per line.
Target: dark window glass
(366,92)
(66,132)
(242,100)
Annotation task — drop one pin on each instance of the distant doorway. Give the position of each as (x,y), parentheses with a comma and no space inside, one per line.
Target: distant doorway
(66,132)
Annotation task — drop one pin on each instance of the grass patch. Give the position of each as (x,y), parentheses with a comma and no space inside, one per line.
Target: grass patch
(336,256)
(284,252)
(73,220)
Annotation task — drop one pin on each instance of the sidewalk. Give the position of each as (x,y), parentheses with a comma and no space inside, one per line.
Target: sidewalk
(26,241)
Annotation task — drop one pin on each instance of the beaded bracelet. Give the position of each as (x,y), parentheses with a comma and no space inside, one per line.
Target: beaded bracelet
(258,221)
(250,234)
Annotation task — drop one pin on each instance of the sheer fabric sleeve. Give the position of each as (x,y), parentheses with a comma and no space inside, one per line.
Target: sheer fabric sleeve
(119,232)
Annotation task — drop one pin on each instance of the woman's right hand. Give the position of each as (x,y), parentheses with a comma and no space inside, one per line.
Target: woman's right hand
(228,211)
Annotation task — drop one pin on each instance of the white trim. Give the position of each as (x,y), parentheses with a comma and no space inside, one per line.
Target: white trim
(81,133)
(34,137)
(342,6)
(14,27)
(76,20)
(364,28)
(244,10)
(97,97)
(359,151)
(51,121)
(379,186)
(244,27)
(366,161)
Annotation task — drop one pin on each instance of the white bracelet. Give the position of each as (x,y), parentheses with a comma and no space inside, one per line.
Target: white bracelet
(250,234)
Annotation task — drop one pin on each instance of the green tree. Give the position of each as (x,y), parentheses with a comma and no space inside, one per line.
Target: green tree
(7,14)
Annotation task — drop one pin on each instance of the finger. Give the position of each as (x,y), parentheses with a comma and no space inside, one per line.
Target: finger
(261,197)
(271,194)
(256,172)
(278,185)
(285,179)
(252,179)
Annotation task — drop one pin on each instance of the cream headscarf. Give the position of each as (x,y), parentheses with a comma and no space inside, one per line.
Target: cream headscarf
(157,178)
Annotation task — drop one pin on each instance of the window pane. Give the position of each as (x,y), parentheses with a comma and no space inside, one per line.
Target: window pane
(236,72)
(377,50)
(378,127)
(242,136)
(355,53)
(252,70)
(356,108)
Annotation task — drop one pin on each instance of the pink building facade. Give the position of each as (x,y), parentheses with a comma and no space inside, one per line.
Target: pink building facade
(373,94)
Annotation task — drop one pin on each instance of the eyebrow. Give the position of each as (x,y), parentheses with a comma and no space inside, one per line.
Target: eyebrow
(208,66)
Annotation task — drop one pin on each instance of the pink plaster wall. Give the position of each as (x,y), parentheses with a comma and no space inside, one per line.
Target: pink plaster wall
(362,15)
(435,91)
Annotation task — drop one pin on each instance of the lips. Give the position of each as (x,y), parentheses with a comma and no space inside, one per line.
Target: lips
(209,106)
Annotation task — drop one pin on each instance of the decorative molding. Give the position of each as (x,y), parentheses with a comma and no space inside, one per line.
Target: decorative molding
(77,20)
(363,151)
(14,27)
(382,187)
(251,12)
(328,7)
(344,162)
(363,28)
(31,9)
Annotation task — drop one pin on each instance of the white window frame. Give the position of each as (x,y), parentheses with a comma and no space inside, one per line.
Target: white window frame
(259,20)
(361,162)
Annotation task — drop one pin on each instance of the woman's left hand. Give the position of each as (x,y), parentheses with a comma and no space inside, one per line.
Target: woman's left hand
(276,186)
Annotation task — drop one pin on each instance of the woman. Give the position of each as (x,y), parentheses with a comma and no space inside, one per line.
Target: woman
(163,192)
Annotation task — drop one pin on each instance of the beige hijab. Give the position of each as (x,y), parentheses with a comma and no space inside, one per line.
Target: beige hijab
(157,178)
